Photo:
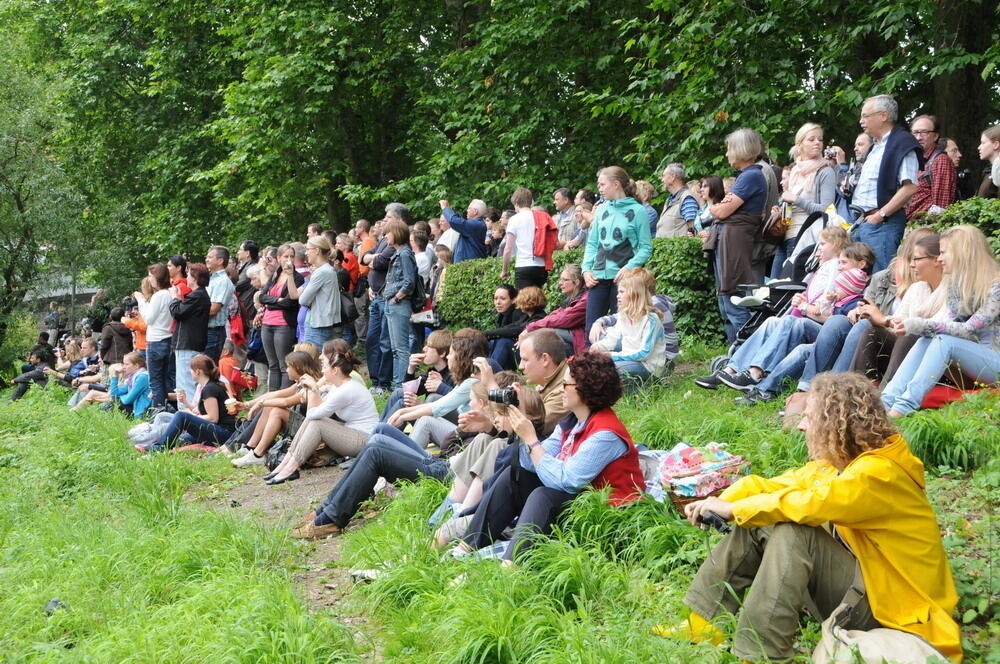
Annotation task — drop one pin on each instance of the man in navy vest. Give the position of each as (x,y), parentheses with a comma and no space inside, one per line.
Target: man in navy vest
(888,179)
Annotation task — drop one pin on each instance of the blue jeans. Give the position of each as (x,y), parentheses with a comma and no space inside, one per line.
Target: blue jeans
(502,352)
(790,367)
(784,251)
(829,347)
(158,366)
(733,317)
(774,342)
(318,336)
(927,361)
(845,357)
(397,324)
(198,429)
(384,455)
(882,238)
(184,379)
(633,374)
(373,341)
(603,298)
(214,341)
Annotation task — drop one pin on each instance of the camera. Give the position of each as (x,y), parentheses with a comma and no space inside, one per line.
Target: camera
(713,520)
(129,305)
(830,153)
(506,396)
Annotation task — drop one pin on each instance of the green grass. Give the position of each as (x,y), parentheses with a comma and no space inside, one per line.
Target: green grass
(145,574)
(148,574)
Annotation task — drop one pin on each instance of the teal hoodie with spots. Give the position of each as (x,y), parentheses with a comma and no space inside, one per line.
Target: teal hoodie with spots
(618,238)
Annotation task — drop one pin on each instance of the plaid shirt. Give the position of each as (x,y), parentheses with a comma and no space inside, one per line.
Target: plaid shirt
(935,185)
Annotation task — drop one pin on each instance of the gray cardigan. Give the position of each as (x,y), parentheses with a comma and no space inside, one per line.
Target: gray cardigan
(322,296)
(824,192)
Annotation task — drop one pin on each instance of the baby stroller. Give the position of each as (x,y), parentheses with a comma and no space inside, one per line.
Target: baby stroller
(775,297)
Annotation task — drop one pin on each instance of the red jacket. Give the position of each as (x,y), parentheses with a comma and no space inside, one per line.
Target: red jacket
(546,236)
(623,475)
(569,316)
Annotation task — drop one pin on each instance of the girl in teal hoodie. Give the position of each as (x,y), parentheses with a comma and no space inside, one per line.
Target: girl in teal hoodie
(619,239)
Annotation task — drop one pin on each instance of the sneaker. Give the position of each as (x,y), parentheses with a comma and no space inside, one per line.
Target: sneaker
(754,397)
(377,391)
(248,459)
(741,381)
(311,531)
(709,382)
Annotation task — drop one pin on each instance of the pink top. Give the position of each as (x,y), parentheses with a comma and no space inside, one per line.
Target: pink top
(274,316)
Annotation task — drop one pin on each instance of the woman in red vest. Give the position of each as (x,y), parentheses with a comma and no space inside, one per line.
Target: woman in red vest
(589,447)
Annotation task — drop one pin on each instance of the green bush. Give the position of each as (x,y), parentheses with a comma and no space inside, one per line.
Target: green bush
(680,268)
(22,330)
(981,212)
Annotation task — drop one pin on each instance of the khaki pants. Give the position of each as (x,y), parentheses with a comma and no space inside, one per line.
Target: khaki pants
(772,572)
(343,440)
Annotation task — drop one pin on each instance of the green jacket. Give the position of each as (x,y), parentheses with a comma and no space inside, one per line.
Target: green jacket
(619,238)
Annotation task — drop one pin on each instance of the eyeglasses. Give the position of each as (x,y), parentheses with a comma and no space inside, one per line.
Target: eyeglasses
(920,258)
(865,116)
(922,132)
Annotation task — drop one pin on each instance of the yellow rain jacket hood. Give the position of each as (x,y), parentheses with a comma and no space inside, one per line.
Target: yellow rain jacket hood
(880,510)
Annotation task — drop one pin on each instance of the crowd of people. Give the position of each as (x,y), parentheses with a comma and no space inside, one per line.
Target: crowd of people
(515,448)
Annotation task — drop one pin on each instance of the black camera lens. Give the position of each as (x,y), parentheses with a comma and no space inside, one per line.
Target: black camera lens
(506,396)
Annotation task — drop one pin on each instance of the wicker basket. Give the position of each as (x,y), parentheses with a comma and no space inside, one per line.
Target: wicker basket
(680,501)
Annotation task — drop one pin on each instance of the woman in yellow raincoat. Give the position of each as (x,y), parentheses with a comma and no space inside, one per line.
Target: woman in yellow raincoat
(859,503)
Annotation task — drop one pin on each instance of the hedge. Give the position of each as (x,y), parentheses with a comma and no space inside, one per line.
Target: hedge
(678,263)
(981,212)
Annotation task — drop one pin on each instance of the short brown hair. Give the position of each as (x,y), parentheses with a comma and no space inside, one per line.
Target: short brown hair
(522,197)
(549,343)
(397,231)
(530,299)
(201,275)
(597,381)
(440,340)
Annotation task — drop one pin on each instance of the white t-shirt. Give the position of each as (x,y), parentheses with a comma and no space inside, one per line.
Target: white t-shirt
(522,227)
(449,239)
(352,403)
(423,264)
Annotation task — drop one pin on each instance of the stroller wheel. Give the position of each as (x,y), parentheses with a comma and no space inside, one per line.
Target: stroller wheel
(719,362)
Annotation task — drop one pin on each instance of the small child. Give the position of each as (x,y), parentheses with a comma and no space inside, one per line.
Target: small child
(855,263)
(832,241)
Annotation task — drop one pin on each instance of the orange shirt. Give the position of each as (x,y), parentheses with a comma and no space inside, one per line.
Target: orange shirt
(138,327)
(366,245)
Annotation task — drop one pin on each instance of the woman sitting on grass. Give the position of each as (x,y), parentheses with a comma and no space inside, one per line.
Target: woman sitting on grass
(128,387)
(204,418)
(435,356)
(527,306)
(567,319)
(589,447)
(345,399)
(636,342)
(970,340)
(276,406)
(864,481)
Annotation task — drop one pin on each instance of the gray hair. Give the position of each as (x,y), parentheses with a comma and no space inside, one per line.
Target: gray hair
(399,211)
(885,103)
(254,271)
(745,144)
(479,205)
(677,170)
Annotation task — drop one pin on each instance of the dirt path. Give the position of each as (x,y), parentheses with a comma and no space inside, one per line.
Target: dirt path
(323,582)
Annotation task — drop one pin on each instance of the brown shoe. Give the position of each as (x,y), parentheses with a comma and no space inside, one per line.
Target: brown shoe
(308,518)
(311,531)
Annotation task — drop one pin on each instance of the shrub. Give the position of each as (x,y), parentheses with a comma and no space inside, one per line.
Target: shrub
(981,212)
(680,268)
(22,330)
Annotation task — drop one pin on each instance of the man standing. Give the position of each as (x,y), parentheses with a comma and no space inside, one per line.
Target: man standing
(680,211)
(563,200)
(247,255)
(312,230)
(378,349)
(862,144)
(220,291)
(529,269)
(936,182)
(888,179)
(471,229)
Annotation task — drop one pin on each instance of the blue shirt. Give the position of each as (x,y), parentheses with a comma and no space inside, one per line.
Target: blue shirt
(471,235)
(751,187)
(220,289)
(866,192)
(573,474)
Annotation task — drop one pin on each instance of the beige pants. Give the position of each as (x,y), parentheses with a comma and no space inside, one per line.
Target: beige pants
(343,440)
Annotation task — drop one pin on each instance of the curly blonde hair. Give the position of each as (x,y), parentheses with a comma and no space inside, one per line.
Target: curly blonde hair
(845,418)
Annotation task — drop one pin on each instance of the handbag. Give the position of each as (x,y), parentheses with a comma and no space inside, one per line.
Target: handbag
(244,379)
(849,646)
(776,225)
(348,310)
(276,453)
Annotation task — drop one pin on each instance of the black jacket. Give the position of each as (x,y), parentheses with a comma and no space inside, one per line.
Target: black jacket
(191,316)
(289,308)
(115,343)
(511,323)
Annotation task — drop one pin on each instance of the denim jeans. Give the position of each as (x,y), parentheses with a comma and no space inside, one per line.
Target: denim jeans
(373,341)
(783,252)
(397,323)
(927,361)
(633,374)
(746,355)
(773,342)
(184,379)
(603,298)
(214,341)
(383,456)
(790,367)
(830,342)
(882,238)
(502,352)
(845,355)
(318,336)
(197,429)
(158,367)
(278,341)
(733,317)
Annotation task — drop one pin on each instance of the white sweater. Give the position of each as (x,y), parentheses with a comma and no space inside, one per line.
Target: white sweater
(156,313)
(641,341)
(352,403)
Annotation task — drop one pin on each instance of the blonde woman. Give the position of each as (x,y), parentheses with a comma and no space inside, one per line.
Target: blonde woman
(970,339)
(809,186)
(863,480)
(636,342)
